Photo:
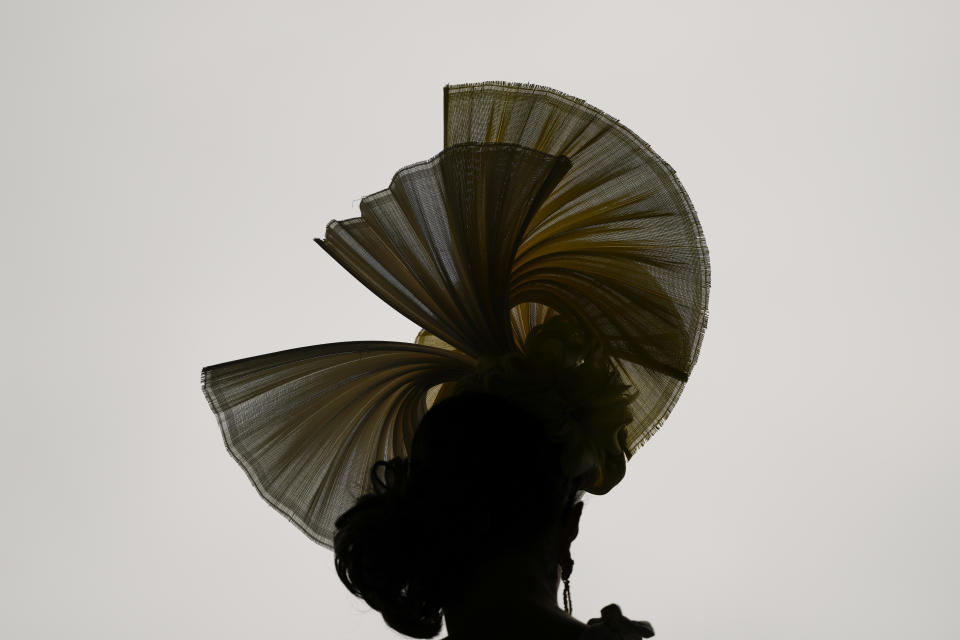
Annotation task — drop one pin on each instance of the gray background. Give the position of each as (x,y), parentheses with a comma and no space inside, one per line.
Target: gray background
(166,165)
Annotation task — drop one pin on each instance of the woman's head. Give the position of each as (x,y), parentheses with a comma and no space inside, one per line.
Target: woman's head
(482,480)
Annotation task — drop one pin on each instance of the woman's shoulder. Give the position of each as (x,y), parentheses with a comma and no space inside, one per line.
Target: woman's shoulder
(612,625)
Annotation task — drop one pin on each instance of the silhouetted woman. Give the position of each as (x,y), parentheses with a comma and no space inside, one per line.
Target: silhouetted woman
(475,528)
(560,277)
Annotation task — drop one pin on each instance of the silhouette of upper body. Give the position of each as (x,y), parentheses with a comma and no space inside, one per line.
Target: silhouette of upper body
(472,528)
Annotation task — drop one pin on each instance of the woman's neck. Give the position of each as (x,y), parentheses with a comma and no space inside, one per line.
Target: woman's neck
(514,596)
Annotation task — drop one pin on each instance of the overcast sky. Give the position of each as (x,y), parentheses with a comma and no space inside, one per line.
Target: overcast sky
(167,165)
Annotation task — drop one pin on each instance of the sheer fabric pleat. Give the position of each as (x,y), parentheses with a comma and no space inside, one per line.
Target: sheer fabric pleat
(616,243)
(438,244)
(307,424)
(538,204)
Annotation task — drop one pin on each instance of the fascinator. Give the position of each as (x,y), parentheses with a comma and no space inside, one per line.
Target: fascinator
(544,243)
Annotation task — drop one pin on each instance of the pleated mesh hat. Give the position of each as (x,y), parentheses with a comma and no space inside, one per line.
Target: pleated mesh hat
(541,216)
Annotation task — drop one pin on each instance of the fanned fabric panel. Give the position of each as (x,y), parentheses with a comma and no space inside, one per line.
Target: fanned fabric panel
(438,244)
(616,243)
(307,424)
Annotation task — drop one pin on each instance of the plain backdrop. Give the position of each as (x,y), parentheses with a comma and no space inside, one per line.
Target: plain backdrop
(166,166)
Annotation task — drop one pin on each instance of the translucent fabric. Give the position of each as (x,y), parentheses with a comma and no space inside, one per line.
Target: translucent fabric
(539,204)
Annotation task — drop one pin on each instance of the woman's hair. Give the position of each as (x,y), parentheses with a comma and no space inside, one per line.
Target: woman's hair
(482,479)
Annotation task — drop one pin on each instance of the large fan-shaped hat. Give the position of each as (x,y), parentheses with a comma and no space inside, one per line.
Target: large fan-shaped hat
(539,206)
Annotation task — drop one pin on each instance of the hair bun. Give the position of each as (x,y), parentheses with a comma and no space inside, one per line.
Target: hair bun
(374,551)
